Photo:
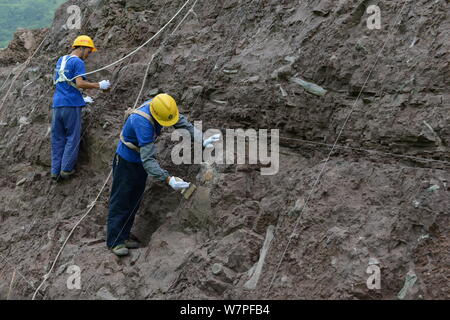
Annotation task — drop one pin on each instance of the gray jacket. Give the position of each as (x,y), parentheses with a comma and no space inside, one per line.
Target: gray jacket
(148,152)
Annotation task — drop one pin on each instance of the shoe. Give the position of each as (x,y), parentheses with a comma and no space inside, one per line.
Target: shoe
(54,176)
(120,250)
(130,244)
(67,174)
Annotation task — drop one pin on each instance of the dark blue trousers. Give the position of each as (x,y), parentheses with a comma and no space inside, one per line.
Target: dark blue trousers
(66,132)
(126,195)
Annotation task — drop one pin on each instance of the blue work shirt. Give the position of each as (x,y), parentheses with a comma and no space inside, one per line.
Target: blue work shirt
(66,95)
(140,132)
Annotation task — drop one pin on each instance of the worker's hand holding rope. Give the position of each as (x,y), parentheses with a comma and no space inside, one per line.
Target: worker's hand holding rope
(104,84)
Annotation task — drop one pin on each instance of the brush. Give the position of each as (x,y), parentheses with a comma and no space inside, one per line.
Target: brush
(187,192)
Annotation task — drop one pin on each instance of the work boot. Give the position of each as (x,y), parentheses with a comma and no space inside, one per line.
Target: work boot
(130,244)
(120,250)
(67,174)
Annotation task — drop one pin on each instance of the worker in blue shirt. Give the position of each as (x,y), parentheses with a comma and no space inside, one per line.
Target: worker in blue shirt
(67,104)
(135,160)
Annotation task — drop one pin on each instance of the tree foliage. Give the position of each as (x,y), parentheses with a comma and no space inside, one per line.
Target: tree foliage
(29,14)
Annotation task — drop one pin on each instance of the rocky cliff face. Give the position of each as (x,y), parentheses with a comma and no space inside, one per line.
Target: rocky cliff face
(233,64)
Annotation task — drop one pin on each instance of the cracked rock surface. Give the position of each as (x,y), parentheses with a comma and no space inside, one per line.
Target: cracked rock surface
(230,65)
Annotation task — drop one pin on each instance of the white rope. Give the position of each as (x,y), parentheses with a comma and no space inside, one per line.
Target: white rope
(16,270)
(11,284)
(91,206)
(191,10)
(134,107)
(117,81)
(145,78)
(6,81)
(138,48)
(31,57)
(25,64)
(370,150)
(329,154)
(156,53)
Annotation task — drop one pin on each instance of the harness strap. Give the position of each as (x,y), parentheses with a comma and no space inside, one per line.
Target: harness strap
(127,114)
(61,76)
(129,144)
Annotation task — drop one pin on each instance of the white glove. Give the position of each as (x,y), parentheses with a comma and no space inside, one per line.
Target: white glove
(208,143)
(178,184)
(104,84)
(88,99)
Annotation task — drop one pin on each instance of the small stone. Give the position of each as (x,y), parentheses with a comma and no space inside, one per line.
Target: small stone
(230,71)
(410,280)
(208,176)
(21,182)
(252,79)
(134,256)
(291,59)
(310,87)
(283,92)
(433,188)
(104,294)
(216,268)
(333,261)
(24,120)
(153,92)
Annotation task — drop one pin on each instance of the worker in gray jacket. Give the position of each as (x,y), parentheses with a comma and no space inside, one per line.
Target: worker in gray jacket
(135,160)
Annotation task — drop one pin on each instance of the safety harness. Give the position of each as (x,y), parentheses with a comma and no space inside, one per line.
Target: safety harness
(127,114)
(61,76)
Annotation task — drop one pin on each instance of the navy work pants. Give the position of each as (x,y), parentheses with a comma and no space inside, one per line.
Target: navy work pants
(66,133)
(126,195)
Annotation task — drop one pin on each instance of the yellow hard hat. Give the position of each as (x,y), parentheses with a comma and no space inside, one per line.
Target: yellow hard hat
(84,41)
(164,109)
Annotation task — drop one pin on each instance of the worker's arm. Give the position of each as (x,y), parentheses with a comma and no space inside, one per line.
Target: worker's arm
(151,165)
(83,84)
(196,135)
(183,123)
(79,75)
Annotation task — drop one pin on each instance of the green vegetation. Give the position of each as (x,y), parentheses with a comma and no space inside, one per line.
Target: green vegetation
(29,14)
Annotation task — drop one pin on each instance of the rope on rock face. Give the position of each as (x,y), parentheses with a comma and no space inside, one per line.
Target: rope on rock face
(103,68)
(337,146)
(25,64)
(17,271)
(329,154)
(92,205)
(7,78)
(157,52)
(29,59)
(117,81)
(138,48)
